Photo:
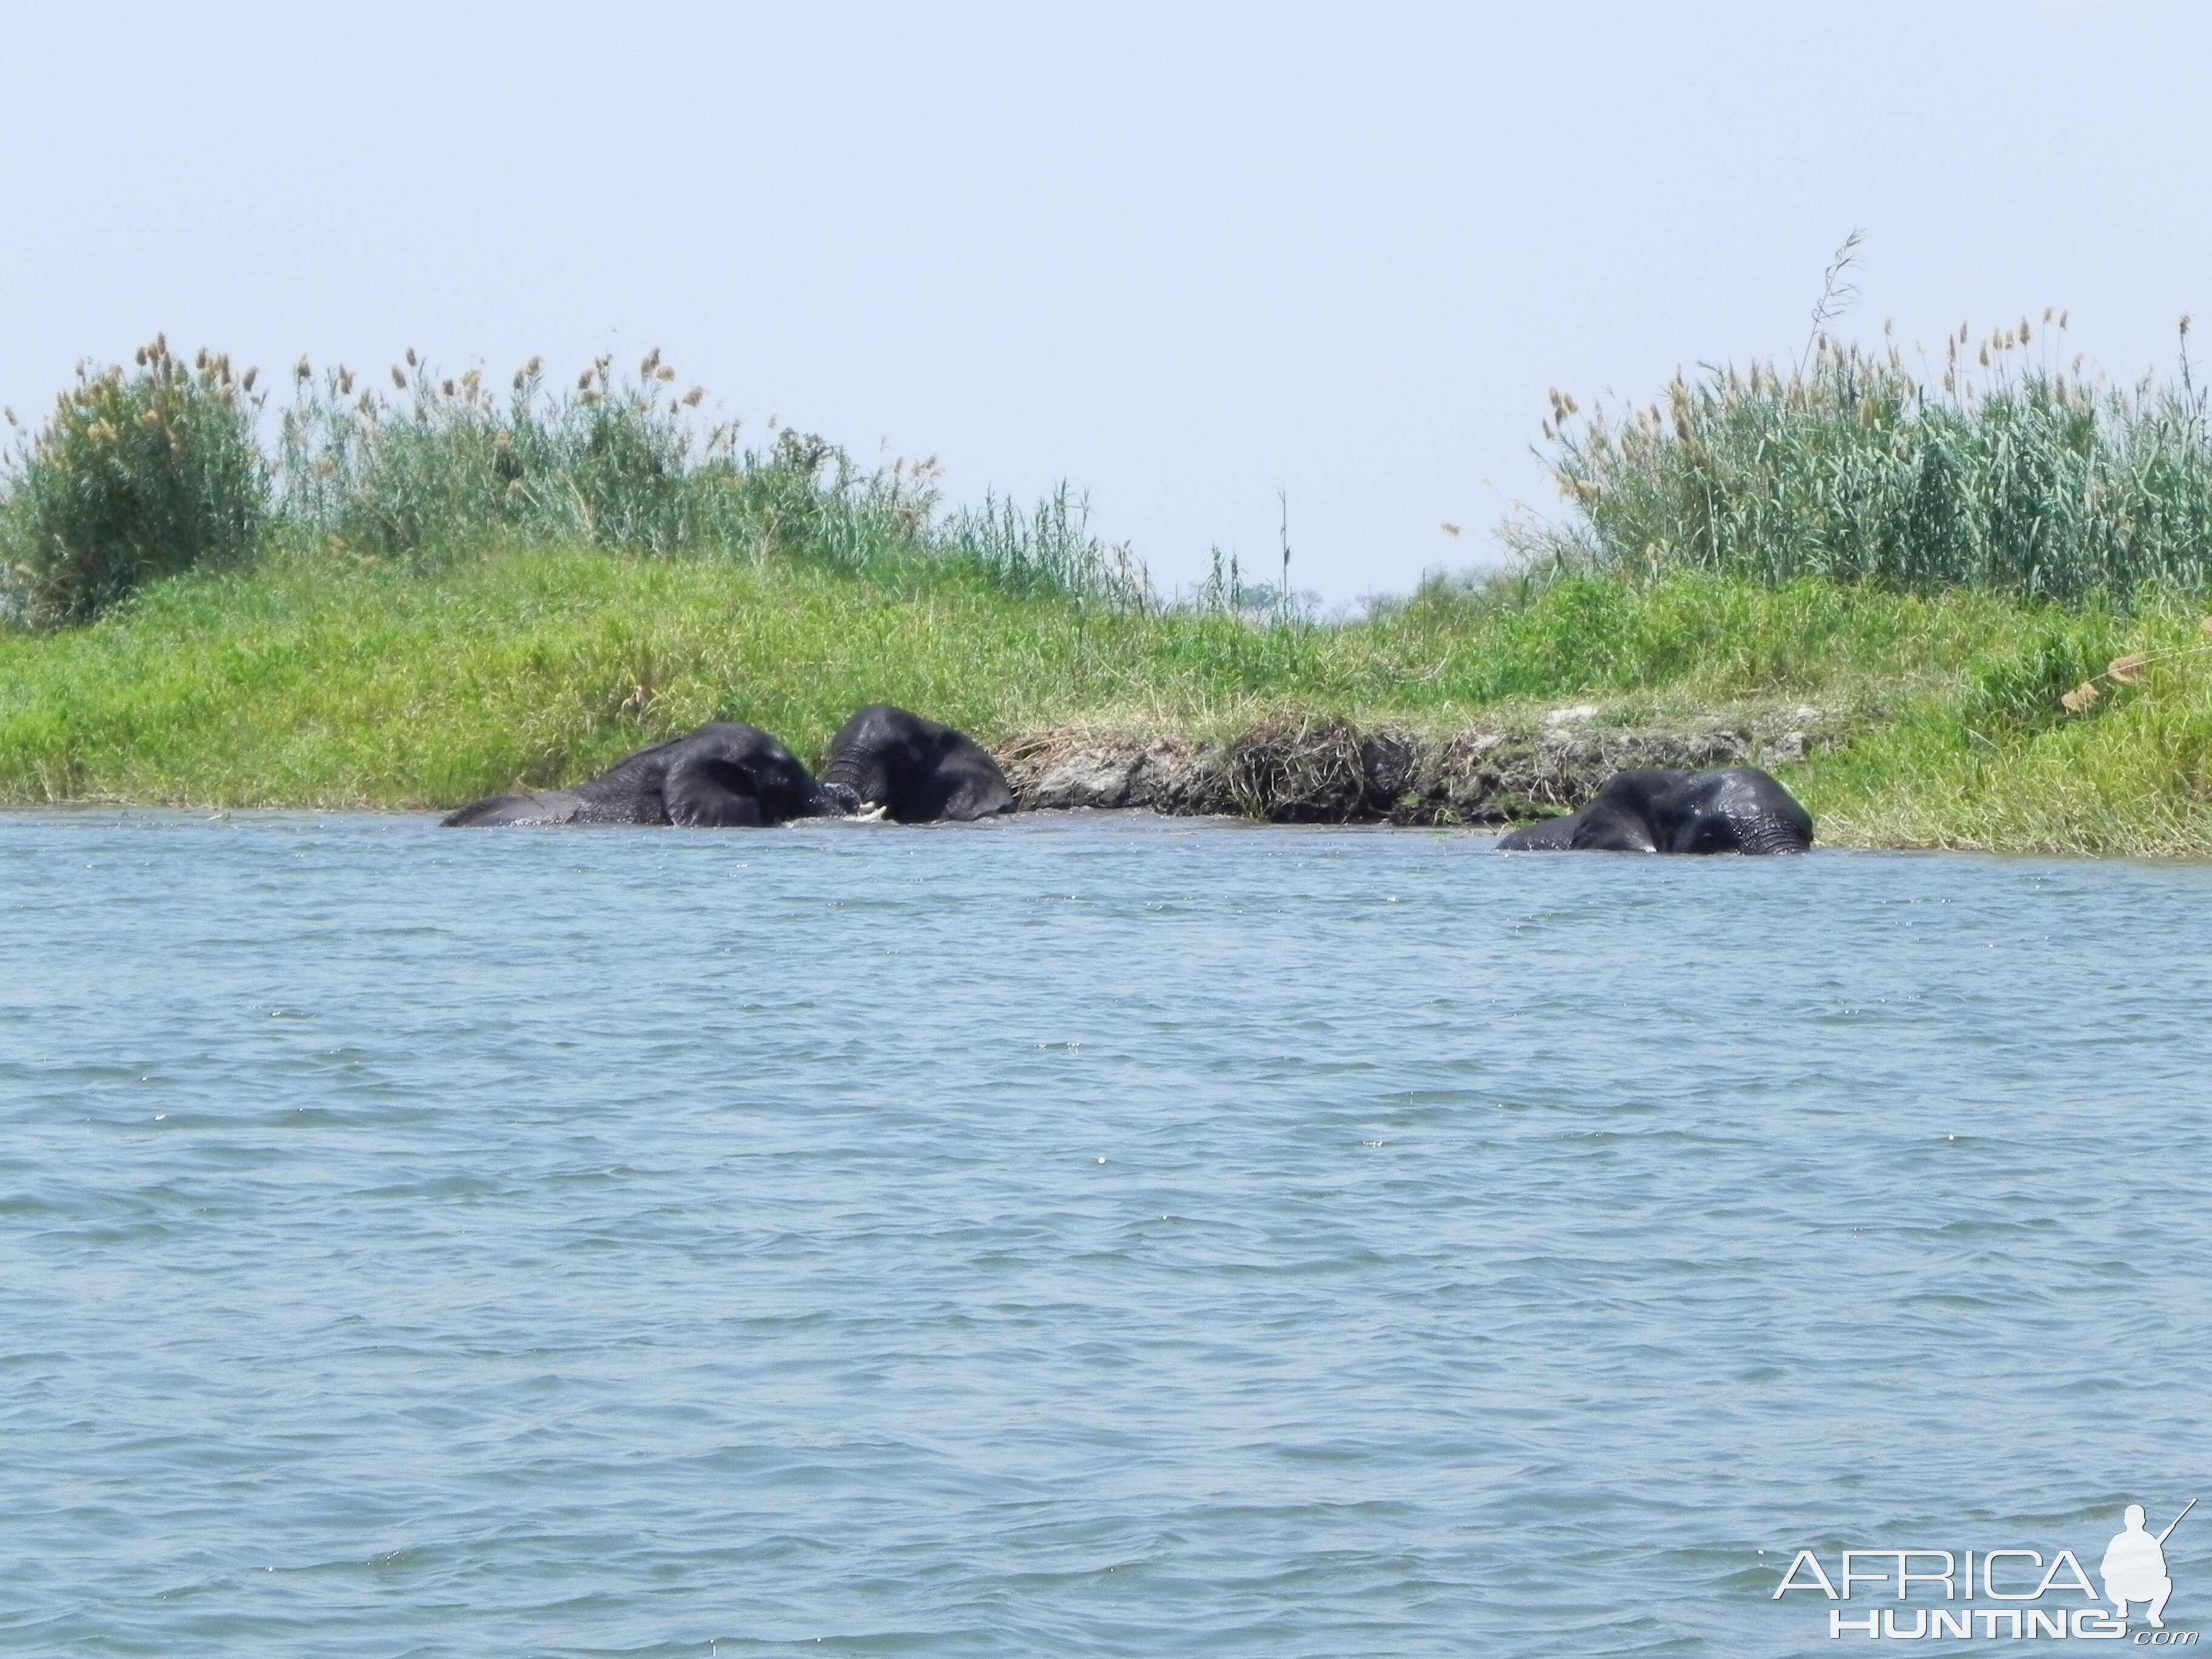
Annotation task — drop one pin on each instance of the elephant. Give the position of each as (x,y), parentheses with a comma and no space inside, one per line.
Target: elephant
(1737,809)
(914,770)
(722,775)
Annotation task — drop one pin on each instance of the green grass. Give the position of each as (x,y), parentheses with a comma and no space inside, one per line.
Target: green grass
(311,681)
(1992,762)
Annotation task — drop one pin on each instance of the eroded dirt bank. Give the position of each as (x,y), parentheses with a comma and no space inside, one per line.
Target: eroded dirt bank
(1333,772)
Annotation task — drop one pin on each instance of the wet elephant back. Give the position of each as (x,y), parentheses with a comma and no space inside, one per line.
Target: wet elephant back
(499,811)
(706,791)
(725,774)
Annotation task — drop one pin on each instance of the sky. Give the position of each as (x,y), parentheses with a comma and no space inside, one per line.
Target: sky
(1195,259)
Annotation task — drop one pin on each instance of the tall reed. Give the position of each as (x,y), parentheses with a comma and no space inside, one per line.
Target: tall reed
(144,475)
(437,465)
(627,464)
(1047,549)
(2002,472)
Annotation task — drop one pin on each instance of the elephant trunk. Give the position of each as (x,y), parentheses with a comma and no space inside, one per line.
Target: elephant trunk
(1773,834)
(855,773)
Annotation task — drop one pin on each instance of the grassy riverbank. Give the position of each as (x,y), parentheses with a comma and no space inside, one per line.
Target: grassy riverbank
(1972,593)
(316,681)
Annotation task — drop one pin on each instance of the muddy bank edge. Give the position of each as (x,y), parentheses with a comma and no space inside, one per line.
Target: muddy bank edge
(1333,772)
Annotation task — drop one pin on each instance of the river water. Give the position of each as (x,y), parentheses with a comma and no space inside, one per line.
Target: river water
(1072,1236)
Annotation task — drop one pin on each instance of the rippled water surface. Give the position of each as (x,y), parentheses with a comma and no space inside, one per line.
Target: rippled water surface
(1071,1236)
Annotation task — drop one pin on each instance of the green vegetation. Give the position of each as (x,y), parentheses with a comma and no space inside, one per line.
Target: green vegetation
(453,594)
(370,683)
(136,477)
(2013,480)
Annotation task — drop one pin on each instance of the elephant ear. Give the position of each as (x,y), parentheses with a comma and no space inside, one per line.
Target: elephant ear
(1708,832)
(1613,832)
(705,791)
(968,783)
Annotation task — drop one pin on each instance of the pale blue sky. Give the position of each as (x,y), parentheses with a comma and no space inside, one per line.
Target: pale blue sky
(1179,254)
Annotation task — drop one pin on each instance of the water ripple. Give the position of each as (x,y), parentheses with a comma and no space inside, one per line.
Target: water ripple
(1065,1236)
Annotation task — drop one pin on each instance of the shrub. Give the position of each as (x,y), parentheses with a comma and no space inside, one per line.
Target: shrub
(135,475)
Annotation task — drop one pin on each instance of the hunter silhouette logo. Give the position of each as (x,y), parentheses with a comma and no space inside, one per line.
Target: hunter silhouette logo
(2010,1586)
(2135,1566)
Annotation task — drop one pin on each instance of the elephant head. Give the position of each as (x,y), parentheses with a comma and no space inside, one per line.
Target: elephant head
(914,770)
(1736,809)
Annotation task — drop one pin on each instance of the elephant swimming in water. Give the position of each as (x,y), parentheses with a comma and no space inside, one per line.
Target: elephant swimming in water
(1739,809)
(722,775)
(915,770)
